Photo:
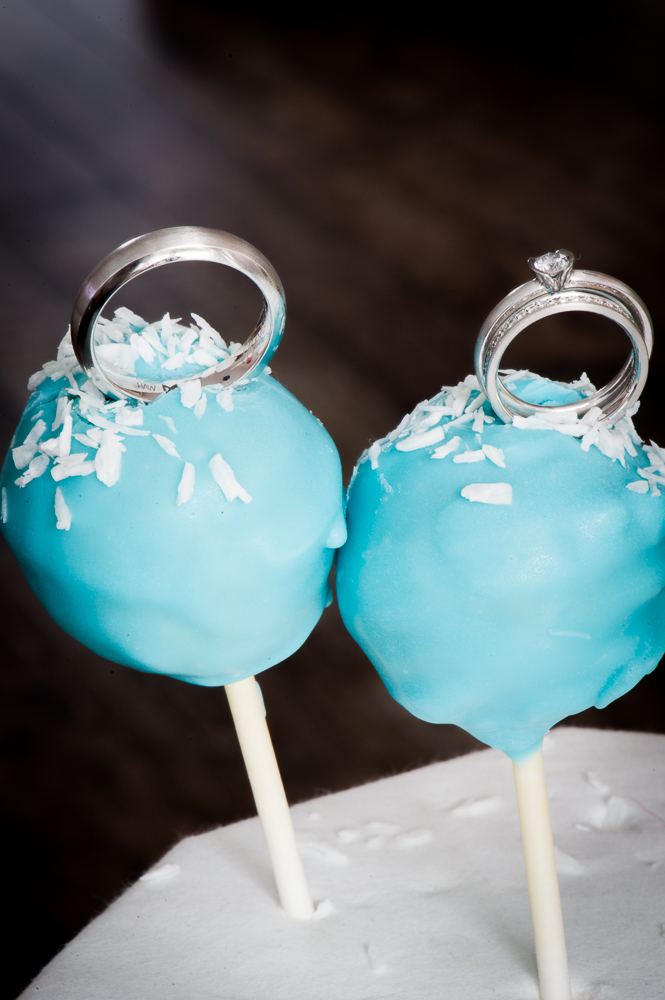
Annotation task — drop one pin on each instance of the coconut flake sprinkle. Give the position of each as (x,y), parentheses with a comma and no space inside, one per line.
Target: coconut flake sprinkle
(463,404)
(223,475)
(25,452)
(430,423)
(108,458)
(36,468)
(84,415)
(62,512)
(495,493)
(186,484)
(166,445)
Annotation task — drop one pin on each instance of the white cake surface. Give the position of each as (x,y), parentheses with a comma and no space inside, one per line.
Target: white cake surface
(427,889)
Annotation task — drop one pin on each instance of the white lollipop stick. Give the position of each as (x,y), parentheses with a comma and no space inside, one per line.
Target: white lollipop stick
(270,798)
(542,879)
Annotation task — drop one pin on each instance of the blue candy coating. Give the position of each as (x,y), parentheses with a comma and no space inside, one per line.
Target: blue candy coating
(505,619)
(211,591)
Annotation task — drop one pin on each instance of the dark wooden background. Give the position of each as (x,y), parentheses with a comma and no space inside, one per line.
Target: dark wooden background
(397,173)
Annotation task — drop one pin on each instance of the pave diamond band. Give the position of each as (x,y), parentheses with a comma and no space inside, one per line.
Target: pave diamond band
(558,288)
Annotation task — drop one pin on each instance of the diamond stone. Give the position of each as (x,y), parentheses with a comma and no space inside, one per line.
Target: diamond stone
(552,263)
(553,269)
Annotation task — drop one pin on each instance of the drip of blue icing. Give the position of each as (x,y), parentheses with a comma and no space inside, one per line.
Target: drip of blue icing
(210,591)
(505,619)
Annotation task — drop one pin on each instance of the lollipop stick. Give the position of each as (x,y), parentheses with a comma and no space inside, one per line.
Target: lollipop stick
(269,796)
(542,879)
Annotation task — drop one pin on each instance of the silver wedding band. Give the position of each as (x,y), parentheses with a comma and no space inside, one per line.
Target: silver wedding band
(167,246)
(558,288)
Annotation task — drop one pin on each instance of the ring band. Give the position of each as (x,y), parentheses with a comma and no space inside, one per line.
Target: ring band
(558,288)
(166,246)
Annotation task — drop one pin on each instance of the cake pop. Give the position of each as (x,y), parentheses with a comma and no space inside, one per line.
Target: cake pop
(173,506)
(505,562)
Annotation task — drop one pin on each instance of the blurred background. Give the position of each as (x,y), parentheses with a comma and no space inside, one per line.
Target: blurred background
(397,169)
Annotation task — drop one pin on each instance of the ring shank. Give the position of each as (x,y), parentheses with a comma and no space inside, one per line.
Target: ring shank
(168,246)
(586,291)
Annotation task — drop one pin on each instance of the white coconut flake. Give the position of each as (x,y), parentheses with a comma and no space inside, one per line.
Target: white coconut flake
(111,331)
(129,416)
(424,440)
(585,386)
(62,406)
(470,456)
(62,369)
(497,493)
(90,389)
(429,419)
(459,397)
(656,453)
(200,406)
(26,451)
(476,402)
(652,479)
(118,356)
(91,439)
(225,400)
(61,472)
(466,418)
(99,421)
(495,455)
(188,338)
(88,401)
(640,486)
(373,453)
(202,357)
(130,317)
(50,447)
(190,393)
(65,439)
(166,333)
(478,422)
(65,347)
(177,361)
(72,465)
(168,445)
(208,330)
(223,475)
(170,423)
(517,375)
(143,347)
(4,506)
(446,449)
(71,460)
(36,380)
(108,460)
(62,512)
(186,484)
(150,335)
(36,468)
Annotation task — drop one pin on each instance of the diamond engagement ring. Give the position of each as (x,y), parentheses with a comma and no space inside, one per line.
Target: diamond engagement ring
(557,288)
(166,246)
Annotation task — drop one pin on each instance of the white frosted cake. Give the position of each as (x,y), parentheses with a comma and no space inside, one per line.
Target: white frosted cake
(421,889)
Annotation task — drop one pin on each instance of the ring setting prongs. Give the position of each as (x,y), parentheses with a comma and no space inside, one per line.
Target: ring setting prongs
(553,269)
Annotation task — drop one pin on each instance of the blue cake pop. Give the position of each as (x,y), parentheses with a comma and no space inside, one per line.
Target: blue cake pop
(192,536)
(502,576)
